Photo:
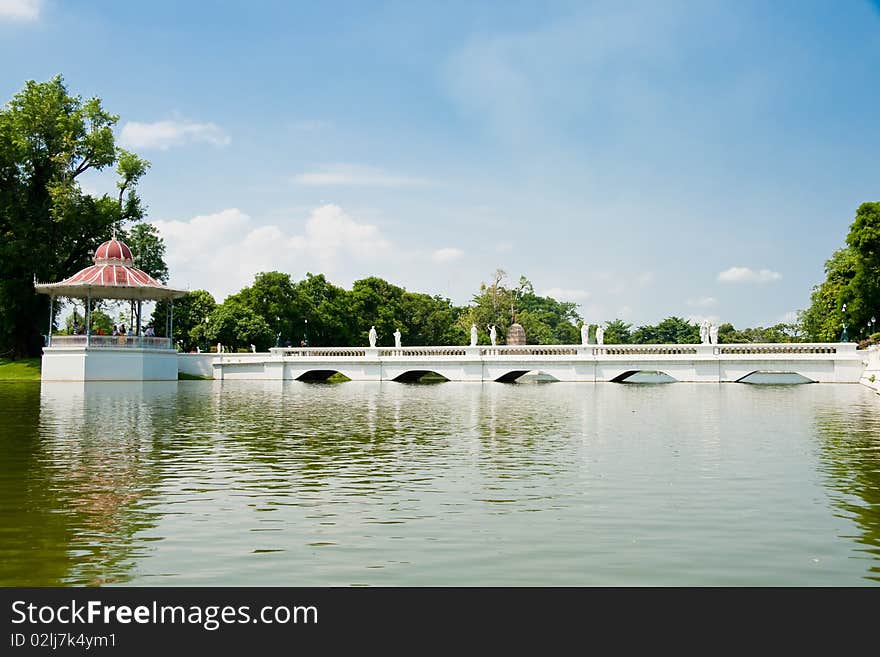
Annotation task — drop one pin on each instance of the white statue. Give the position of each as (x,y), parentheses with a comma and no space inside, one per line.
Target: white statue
(704,332)
(397,338)
(253,349)
(219,348)
(473,335)
(713,334)
(373,336)
(493,335)
(600,334)
(585,333)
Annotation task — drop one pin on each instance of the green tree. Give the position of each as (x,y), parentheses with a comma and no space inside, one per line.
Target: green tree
(672,330)
(274,297)
(191,315)
(326,315)
(727,334)
(544,319)
(375,302)
(618,332)
(862,294)
(147,250)
(823,320)
(48,139)
(238,327)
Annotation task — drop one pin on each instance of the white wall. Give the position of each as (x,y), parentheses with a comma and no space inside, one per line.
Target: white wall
(79,364)
(872,370)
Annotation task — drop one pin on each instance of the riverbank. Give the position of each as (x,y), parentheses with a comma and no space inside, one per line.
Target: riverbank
(24,369)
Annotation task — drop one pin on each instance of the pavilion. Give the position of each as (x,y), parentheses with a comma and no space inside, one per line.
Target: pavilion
(91,357)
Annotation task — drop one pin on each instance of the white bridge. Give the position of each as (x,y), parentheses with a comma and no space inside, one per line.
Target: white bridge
(819,362)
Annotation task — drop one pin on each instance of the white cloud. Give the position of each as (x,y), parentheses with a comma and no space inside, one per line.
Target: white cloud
(563,294)
(447,254)
(746,275)
(790,317)
(222,252)
(353,175)
(165,134)
(20,10)
(702,302)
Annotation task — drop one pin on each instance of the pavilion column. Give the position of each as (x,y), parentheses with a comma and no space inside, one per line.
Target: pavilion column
(51,320)
(171,326)
(88,320)
(138,331)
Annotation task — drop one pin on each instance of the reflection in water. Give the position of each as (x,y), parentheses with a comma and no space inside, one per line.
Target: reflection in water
(250,482)
(850,452)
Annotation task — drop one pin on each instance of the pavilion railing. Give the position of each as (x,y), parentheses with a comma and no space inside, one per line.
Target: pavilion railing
(111,341)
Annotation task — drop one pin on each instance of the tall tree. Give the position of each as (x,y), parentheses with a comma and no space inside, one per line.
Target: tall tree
(191,315)
(862,294)
(618,332)
(672,330)
(147,250)
(823,320)
(48,139)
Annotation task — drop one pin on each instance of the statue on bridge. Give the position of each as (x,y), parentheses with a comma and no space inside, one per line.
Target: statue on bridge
(473,335)
(493,335)
(585,333)
(600,334)
(397,338)
(704,332)
(713,334)
(373,336)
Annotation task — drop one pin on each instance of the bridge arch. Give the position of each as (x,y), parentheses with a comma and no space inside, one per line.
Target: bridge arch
(322,375)
(774,377)
(420,376)
(643,376)
(513,376)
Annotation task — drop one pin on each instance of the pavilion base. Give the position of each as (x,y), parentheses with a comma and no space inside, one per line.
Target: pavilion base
(107,364)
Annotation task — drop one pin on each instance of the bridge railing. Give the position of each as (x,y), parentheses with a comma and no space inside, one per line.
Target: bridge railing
(318,352)
(530,350)
(650,350)
(782,348)
(422,351)
(564,351)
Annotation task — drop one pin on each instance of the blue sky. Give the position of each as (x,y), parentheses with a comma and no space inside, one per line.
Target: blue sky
(645,159)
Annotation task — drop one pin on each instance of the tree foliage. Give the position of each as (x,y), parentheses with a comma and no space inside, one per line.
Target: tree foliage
(672,330)
(618,332)
(852,277)
(238,327)
(544,319)
(147,250)
(191,314)
(48,226)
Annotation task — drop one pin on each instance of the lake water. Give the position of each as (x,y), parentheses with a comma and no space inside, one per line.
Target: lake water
(271,483)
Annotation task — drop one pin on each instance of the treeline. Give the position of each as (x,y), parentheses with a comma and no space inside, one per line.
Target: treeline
(276,309)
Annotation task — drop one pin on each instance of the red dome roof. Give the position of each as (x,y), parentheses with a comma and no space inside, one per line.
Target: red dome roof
(113,276)
(113,252)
